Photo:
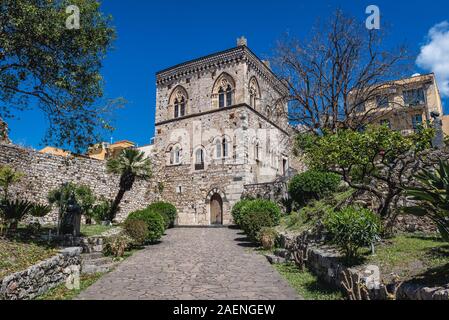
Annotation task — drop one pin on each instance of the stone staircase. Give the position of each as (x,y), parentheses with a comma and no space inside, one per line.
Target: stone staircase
(96,262)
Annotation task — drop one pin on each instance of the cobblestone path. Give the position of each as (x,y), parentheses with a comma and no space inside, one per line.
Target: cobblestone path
(190,264)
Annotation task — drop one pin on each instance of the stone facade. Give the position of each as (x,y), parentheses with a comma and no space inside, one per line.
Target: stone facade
(221,124)
(45,172)
(38,279)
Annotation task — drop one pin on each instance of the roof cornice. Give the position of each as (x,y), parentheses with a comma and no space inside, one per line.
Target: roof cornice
(213,61)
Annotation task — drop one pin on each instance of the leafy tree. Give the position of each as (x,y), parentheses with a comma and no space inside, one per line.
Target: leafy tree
(44,64)
(332,73)
(130,164)
(378,161)
(83,195)
(432,194)
(8,176)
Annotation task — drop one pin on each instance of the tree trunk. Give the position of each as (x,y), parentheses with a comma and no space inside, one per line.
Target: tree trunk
(116,203)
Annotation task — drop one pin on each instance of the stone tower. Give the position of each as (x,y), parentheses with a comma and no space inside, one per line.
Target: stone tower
(221,124)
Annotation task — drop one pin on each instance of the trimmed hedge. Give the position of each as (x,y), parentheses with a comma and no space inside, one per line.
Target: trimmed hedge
(155,223)
(237,210)
(167,211)
(262,205)
(137,230)
(253,222)
(312,184)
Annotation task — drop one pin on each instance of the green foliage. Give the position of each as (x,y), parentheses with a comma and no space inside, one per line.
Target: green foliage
(312,184)
(41,60)
(8,176)
(237,210)
(83,195)
(116,246)
(130,164)
(262,205)
(166,210)
(433,197)
(353,228)
(370,160)
(253,222)
(137,230)
(100,211)
(39,210)
(268,237)
(12,211)
(154,221)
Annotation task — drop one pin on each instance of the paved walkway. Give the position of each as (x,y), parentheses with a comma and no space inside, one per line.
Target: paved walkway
(194,263)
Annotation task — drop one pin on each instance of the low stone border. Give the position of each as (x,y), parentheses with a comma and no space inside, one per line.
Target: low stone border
(38,279)
(325,262)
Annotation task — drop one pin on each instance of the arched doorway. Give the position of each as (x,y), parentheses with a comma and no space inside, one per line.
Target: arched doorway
(216,209)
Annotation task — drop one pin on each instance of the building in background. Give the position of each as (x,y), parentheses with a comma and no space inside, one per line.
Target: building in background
(405,104)
(55,151)
(104,150)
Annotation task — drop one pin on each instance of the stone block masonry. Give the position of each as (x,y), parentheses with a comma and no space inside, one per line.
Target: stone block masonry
(38,279)
(44,172)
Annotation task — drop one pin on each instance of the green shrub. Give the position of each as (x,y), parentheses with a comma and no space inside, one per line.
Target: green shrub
(353,228)
(253,222)
(154,221)
(137,230)
(267,237)
(167,211)
(262,205)
(236,210)
(100,211)
(312,184)
(116,246)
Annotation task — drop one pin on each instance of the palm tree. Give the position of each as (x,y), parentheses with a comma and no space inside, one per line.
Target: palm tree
(130,164)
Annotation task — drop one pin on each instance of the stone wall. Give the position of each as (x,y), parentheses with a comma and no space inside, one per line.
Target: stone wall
(44,172)
(276,191)
(326,262)
(38,279)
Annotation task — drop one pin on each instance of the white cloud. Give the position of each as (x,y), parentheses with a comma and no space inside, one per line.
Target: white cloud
(434,55)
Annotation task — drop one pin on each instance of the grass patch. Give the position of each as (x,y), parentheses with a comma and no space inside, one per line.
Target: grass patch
(424,258)
(94,229)
(62,293)
(306,284)
(18,256)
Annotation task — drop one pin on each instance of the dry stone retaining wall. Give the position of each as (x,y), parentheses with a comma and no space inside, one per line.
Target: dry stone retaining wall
(44,172)
(41,277)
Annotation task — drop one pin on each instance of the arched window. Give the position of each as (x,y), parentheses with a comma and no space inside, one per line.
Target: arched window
(175,155)
(229,96)
(178,101)
(225,148)
(257,150)
(223,91)
(254,92)
(218,148)
(221,98)
(221,148)
(268,112)
(199,159)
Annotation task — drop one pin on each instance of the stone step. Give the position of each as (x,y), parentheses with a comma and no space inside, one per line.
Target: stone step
(91,269)
(92,256)
(98,261)
(273,259)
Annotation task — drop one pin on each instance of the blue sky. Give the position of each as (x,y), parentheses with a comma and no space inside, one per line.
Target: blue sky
(153,35)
